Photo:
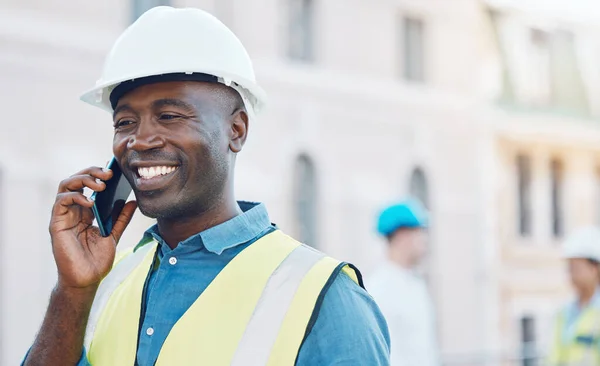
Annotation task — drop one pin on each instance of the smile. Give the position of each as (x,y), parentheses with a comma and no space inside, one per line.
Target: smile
(154,177)
(155,171)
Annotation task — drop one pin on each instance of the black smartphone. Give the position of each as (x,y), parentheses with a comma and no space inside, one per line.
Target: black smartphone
(109,203)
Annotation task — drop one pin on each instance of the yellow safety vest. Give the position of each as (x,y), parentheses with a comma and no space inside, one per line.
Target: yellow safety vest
(582,346)
(257,311)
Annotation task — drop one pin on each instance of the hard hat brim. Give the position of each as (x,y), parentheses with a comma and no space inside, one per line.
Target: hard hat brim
(99,96)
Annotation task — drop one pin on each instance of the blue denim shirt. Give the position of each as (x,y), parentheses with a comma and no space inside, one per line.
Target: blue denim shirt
(350,329)
(573,311)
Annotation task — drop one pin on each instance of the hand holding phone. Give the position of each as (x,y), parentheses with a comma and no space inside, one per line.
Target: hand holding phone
(83,255)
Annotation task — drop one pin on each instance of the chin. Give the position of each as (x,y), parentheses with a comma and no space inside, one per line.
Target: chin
(164,210)
(150,212)
(155,208)
(155,205)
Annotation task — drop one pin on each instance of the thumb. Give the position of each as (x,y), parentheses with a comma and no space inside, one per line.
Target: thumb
(123,220)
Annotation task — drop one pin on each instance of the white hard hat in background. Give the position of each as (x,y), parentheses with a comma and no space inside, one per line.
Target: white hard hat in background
(583,243)
(166,40)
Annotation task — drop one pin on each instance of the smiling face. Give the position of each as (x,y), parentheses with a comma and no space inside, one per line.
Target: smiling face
(176,144)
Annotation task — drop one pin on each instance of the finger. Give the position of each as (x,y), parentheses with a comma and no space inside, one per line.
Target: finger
(76,183)
(96,172)
(65,201)
(123,220)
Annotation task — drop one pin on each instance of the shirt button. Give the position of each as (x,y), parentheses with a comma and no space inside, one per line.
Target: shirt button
(150,331)
(173,260)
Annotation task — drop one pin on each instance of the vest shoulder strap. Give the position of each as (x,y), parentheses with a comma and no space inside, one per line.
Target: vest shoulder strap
(125,263)
(265,325)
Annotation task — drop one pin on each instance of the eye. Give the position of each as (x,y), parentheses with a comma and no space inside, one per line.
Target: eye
(123,123)
(169,116)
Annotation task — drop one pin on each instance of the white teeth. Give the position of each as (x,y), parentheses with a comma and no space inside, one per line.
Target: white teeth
(154,171)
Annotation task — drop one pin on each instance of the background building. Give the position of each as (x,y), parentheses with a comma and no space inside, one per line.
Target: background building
(485,110)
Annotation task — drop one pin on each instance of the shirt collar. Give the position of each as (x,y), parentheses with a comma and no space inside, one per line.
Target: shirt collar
(573,307)
(244,227)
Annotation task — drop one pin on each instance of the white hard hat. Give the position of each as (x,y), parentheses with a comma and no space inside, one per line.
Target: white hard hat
(169,41)
(583,243)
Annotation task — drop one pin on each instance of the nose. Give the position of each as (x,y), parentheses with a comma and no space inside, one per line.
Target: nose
(145,138)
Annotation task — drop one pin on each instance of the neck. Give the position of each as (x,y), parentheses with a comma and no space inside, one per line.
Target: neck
(176,230)
(585,295)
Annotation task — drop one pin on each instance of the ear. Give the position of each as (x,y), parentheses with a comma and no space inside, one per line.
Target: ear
(239,130)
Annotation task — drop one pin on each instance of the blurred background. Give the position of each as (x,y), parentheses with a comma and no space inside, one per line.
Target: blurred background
(488,111)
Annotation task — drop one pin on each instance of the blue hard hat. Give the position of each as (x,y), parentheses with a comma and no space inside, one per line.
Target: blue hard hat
(405,214)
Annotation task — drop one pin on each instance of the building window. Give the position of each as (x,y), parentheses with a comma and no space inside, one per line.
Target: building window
(568,89)
(556,177)
(540,76)
(301,30)
(413,51)
(553,77)
(139,7)
(528,341)
(524,182)
(418,187)
(305,200)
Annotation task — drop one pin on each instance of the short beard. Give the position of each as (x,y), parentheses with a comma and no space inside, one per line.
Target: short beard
(209,198)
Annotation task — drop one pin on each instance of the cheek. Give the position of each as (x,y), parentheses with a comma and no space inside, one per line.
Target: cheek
(211,146)
(119,144)
(590,273)
(199,157)
(582,274)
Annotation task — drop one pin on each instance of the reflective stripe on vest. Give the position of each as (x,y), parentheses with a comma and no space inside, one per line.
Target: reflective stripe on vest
(255,312)
(122,268)
(262,329)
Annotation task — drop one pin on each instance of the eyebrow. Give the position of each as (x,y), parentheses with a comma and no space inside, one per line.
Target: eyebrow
(159,103)
(123,108)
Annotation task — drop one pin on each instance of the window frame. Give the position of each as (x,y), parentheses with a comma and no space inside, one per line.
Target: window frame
(300,46)
(305,198)
(524,167)
(413,53)
(139,7)
(557,176)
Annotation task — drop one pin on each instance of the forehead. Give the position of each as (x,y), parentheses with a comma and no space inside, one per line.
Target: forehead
(579,262)
(192,92)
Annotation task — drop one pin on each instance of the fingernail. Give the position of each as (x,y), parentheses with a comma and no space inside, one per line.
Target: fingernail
(90,199)
(106,170)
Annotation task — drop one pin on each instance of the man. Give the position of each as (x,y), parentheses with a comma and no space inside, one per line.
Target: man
(213,282)
(401,294)
(576,339)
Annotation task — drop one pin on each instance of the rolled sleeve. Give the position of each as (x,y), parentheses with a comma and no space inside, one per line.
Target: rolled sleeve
(350,329)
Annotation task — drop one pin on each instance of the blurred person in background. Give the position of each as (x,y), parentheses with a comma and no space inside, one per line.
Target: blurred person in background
(577,327)
(213,282)
(399,291)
